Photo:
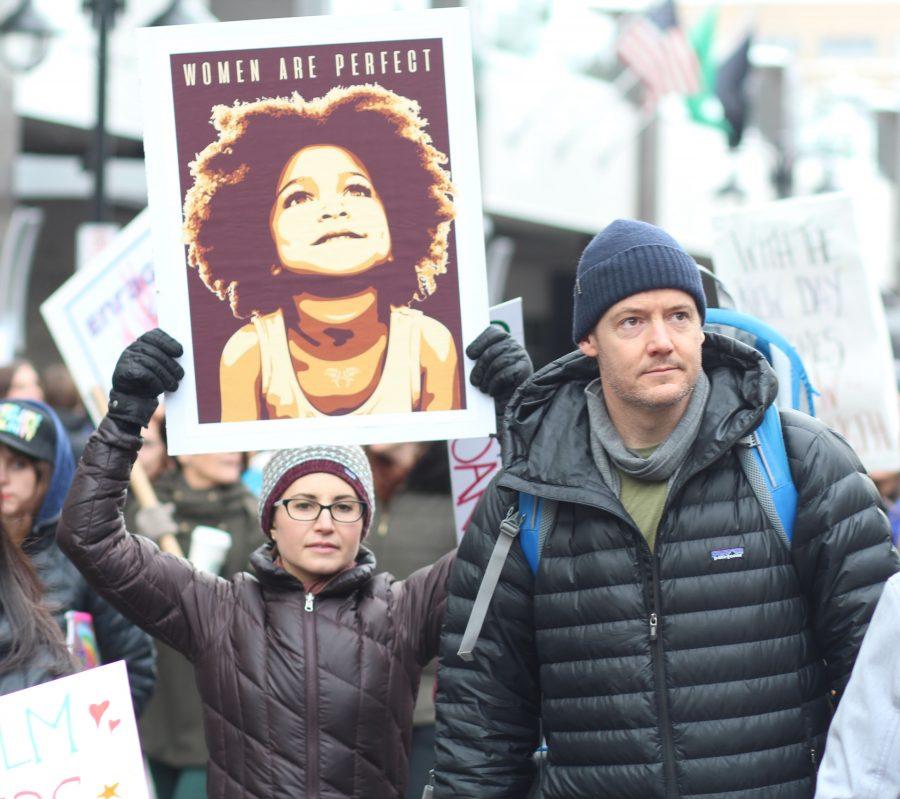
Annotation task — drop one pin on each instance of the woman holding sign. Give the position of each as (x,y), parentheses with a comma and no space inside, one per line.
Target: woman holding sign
(325,221)
(308,669)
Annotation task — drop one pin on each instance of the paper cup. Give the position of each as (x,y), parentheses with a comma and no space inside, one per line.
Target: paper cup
(209,548)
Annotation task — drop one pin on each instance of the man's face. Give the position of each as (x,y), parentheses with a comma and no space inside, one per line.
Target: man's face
(648,350)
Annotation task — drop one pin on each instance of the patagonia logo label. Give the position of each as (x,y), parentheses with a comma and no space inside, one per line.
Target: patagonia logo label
(727,554)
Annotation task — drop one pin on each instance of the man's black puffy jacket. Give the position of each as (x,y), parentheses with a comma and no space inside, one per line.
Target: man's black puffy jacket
(728,694)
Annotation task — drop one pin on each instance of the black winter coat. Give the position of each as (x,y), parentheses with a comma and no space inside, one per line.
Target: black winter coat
(65,589)
(664,674)
(303,696)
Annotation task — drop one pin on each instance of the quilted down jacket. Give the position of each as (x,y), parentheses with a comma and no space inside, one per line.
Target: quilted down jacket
(670,673)
(303,696)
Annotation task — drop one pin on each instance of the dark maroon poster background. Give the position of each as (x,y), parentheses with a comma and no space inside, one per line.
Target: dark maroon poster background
(212,323)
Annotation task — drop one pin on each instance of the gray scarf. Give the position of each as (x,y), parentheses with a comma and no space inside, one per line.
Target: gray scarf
(607,444)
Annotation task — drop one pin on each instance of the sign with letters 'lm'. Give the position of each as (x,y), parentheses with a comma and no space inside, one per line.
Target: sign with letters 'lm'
(102,308)
(72,738)
(796,265)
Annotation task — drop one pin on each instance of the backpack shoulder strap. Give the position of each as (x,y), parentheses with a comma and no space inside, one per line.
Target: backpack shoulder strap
(764,460)
(509,531)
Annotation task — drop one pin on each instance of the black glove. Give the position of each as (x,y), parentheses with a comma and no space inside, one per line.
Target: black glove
(501,366)
(145,369)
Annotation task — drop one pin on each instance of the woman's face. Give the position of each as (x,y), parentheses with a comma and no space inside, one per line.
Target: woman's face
(327,218)
(315,549)
(20,493)
(25,384)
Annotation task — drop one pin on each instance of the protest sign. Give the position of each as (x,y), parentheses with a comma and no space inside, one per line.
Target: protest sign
(475,461)
(102,308)
(306,164)
(72,738)
(796,264)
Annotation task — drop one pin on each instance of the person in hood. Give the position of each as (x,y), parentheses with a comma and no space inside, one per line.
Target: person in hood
(32,650)
(671,644)
(36,468)
(308,668)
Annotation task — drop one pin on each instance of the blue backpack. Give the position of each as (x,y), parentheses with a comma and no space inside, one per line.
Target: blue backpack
(762,454)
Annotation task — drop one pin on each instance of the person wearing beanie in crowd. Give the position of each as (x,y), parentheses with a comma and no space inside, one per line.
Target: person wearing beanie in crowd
(36,467)
(670,644)
(308,668)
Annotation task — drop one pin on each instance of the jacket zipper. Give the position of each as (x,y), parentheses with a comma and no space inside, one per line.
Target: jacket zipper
(659,671)
(312,697)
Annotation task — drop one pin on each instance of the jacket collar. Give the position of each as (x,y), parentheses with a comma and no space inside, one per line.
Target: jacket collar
(272,576)
(546,440)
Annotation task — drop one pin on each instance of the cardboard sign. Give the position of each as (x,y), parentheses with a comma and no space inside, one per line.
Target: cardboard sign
(72,738)
(102,308)
(796,264)
(475,461)
(306,164)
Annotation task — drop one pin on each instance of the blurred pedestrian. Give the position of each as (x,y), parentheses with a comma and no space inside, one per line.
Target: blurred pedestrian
(32,650)
(413,526)
(154,456)
(36,469)
(671,643)
(863,747)
(19,380)
(307,669)
(61,394)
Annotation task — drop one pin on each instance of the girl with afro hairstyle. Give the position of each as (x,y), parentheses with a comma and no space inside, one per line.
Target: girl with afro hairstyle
(323,221)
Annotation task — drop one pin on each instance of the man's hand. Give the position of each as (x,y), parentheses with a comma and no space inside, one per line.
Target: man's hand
(145,369)
(501,366)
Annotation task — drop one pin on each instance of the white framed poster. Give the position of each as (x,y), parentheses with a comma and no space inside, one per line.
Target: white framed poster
(796,264)
(102,308)
(72,738)
(316,218)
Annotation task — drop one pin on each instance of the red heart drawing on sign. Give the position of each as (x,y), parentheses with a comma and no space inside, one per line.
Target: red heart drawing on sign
(113,723)
(97,711)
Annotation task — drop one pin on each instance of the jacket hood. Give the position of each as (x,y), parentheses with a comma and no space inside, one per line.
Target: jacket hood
(545,441)
(63,468)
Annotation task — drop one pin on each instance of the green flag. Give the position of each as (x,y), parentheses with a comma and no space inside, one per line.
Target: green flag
(705,106)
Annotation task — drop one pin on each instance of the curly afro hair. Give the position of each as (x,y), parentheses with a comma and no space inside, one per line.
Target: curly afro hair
(238,172)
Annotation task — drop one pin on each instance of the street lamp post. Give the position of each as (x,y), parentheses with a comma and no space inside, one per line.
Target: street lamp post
(103,13)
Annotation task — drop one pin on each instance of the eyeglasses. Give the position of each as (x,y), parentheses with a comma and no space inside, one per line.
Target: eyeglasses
(344,511)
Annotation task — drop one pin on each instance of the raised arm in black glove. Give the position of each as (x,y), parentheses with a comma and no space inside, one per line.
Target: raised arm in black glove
(501,366)
(145,369)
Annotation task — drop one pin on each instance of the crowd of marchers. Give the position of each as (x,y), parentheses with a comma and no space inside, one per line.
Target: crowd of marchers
(664,639)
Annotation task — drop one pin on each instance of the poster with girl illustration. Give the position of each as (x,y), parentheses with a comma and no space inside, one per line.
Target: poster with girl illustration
(316,220)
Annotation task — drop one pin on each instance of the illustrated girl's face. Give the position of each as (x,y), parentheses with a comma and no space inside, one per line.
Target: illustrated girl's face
(327,218)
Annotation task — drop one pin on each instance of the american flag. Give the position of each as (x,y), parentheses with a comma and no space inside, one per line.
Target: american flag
(654,47)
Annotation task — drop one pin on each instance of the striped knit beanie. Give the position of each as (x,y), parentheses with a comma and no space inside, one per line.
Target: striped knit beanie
(625,258)
(288,465)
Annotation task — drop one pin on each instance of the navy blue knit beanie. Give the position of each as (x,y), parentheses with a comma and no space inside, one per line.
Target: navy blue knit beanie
(626,258)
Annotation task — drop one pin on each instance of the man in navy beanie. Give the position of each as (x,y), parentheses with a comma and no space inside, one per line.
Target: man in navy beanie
(670,643)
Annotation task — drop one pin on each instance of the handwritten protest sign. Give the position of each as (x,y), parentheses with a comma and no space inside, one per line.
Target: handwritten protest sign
(72,738)
(102,308)
(475,461)
(306,163)
(796,264)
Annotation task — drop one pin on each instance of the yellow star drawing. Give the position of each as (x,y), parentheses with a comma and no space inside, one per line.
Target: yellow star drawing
(109,791)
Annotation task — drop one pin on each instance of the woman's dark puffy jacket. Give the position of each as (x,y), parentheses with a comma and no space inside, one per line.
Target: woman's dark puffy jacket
(302,696)
(667,674)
